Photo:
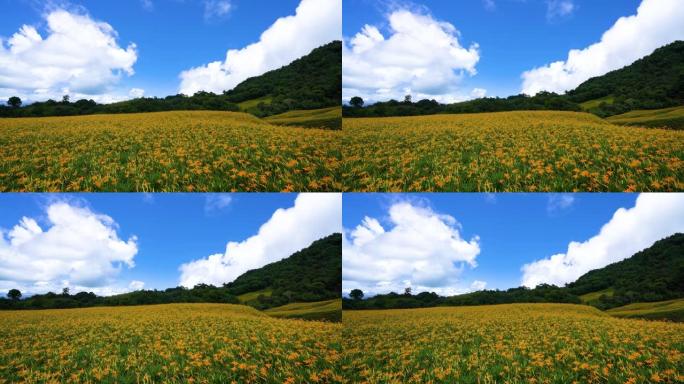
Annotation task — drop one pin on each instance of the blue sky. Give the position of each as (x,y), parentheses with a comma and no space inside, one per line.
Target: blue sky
(171,36)
(512,230)
(515,36)
(169,230)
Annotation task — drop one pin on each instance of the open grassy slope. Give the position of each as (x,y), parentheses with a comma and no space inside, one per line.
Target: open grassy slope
(174,343)
(251,296)
(248,105)
(167,151)
(511,343)
(508,151)
(661,310)
(593,297)
(593,104)
(672,118)
(329,310)
(330,118)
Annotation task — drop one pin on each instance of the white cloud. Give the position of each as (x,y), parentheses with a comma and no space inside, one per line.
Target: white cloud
(148,5)
(654,216)
(421,248)
(656,23)
(78,248)
(559,201)
(315,23)
(216,202)
(77,56)
(136,93)
(421,56)
(136,285)
(559,8)
(313,216)
(216,8)
(478,93)
(478,285)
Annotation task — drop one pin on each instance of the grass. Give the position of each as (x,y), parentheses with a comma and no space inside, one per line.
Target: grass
(661,310)
(249,104)
(512,343)
(672,118)
(329,310)
(175,343)
(330,118)
(251,296)
(532,151)
(593,297)
(592,104)
(191,151)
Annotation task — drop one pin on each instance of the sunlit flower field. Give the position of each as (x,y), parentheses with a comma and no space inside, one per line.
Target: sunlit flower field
(167,151)
(515,343)
(509,151)
(175,343)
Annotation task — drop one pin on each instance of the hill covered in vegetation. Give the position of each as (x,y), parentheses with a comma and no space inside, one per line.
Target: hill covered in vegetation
(655,81)
(310,82)
(309,275)
(653,274)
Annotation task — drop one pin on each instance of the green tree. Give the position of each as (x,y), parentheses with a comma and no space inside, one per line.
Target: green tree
(14,102)
(356,102)
(14,294)
(356,294)
(65,291)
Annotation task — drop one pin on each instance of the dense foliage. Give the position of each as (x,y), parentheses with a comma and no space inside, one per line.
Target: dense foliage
(312,274)
(655,81)
(654,274)
(542,101)
(541,294)
(313,81)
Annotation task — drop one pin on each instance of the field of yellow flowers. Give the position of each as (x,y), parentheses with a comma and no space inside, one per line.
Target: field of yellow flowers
(509,151)
(515,343)
(174,343)
(166,151)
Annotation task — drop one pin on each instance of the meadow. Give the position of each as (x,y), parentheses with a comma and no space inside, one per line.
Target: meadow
(660,118)
(509,151)
(173,343)
(188,151)
(511,343)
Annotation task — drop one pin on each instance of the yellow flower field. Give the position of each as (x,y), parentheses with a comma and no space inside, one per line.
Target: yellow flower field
(166,151)
(509,151)
(175,343)
(514,343)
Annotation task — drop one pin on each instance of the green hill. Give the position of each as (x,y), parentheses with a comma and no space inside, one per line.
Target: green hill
(311,82)
(312,274)
(330,118)
(660,310)
(653,274)
(652,82)
(672,118)
(330,310)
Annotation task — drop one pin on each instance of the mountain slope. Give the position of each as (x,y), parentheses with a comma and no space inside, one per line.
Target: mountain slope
(654,274)
(310,82)
(654,81)
(312,274)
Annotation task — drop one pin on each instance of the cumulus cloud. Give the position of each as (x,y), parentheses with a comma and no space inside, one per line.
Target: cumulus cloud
(653,217)
(136,285)
(313,216)
(77,248)
(478,285)
(76,55)
(315,23)
(421,56)
(136,93)
(420,248)
(656,23)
